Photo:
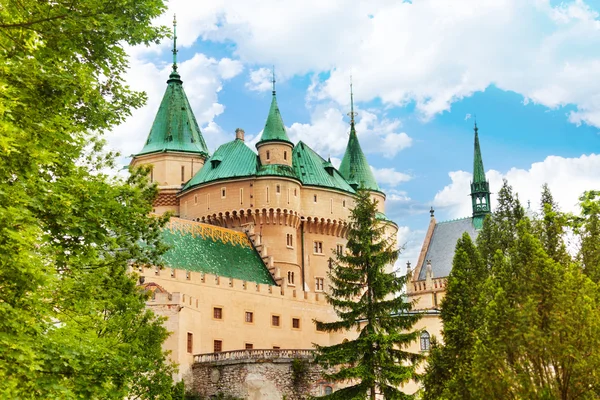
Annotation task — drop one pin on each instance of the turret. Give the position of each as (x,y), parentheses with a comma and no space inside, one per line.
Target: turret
(175,147)
(355,167)
(480,187)
(274,146)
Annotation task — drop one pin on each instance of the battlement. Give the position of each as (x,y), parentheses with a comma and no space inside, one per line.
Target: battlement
(432,285)
(198,280)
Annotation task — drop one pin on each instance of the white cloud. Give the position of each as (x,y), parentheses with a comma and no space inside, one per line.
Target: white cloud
(567,178)
(431,52)
(327,132)
(389,176)
(260,80)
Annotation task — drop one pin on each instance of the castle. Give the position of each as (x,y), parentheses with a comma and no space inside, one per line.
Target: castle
(254,234)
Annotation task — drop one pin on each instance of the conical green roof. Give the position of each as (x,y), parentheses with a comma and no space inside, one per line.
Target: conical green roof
(175,127)
(274,128)
(478,171)
(354,167)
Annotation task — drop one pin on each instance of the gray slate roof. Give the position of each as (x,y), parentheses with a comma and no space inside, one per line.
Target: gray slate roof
(443,243)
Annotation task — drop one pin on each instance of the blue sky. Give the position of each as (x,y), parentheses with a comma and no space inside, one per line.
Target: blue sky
(529,71)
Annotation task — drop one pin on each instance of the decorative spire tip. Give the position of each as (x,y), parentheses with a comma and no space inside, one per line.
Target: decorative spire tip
(174,43)
(351,114)
(273,80)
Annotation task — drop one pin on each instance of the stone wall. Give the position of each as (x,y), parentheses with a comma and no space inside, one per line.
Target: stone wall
(254,379)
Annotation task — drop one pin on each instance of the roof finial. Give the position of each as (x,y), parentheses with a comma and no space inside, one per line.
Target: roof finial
(432,212)
(174,42)
(475,119)
(273,80)
(352,114)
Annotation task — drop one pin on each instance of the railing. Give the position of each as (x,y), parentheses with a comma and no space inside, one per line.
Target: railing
(266,354)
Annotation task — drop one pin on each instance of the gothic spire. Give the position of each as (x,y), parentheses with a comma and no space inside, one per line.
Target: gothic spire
(274,127)
(175,127)
(480,187)
(355,167)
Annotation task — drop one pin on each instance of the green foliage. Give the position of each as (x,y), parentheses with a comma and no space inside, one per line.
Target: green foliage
(366,297)
(534,330)
(299,370)
(72,321)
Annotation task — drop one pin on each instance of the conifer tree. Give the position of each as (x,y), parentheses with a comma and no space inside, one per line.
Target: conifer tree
(461,316)
(367,298)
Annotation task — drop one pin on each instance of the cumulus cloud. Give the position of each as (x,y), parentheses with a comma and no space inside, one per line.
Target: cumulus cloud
(260,80)
(429,52)
(567,178)
(389,176)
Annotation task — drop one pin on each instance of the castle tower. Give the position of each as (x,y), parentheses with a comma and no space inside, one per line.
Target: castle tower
(274,146)
(480,187)
(175,147)
(355,167)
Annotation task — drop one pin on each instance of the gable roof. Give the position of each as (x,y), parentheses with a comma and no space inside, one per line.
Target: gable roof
(442,245)
(313,170)
(213,250)
(175,127)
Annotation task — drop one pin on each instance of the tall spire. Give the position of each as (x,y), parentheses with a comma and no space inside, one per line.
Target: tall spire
(174,42)
(355,167)
(274,128)
(175,127)
(480,187)
(174,77)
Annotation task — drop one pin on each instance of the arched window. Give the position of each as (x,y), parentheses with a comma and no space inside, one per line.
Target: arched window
(328,390)
(425,341)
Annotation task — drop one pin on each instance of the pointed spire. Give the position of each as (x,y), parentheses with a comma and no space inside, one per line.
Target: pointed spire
(174,77)
(274,127)
(175,127)
(355,167)
(480,187)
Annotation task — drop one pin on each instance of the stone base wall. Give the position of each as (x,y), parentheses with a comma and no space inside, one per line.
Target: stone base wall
(258,379)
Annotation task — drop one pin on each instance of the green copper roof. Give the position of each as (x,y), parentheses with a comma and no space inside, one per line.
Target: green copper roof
(478,171)
(175,127)
(231,160)
(276,170)
(274,128)
(355,167)
(313,170)
(210,249)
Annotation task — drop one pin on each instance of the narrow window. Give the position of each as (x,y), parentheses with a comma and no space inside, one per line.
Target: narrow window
(195,199)
(267,194)
(241,195)
(285,155)
(151,174)
(344,203)
(217,313)
(288,196)
(290,278)
(268,155)
(208,201)
(339,249)
(217,346)
(295,193)
(249,346)
(435,301)
(190,342)
(319,284)
(182,173)
(425,342)
(223,193)
(331,206)
(278,189)
(318,247)
(296,323)
(249,317)
(315,198)
(275,320)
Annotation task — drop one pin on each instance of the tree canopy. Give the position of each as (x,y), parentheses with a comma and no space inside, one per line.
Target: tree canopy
(72,320)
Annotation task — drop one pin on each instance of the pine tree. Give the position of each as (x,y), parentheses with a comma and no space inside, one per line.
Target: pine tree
(367,298)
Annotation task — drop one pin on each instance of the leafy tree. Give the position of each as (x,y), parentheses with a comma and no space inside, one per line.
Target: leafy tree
(448,375)
(72,321)
(365,297)
(590,234)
